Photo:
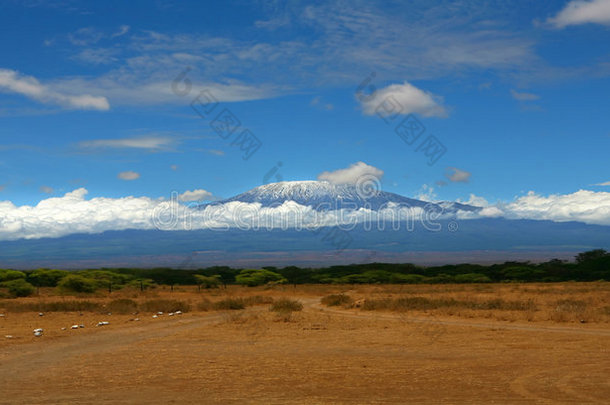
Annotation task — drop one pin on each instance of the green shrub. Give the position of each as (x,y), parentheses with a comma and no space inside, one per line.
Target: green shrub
(19,288)
(334,300)
(46,277)
(8,275)
(472,278)
(252,278)
(143,284)
(78,284)
(208,281)
(286,305)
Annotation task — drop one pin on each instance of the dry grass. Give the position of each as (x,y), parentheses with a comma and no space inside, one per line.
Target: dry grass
(535,302)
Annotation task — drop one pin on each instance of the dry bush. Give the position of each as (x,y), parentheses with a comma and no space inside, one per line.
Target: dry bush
(424,304)
(122,306)
(257,300)
(161,305)
(334,300)
(56,306)
(230,304)
(284,305)
(205,305)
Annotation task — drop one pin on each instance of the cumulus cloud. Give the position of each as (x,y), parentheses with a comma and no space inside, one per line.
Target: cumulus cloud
(579,12)
(524,96)
(402,99)
(195,195)
(456,175)
(71,213)
(584,206)
(145,142)
(353,174)
(128,175)
(13,82)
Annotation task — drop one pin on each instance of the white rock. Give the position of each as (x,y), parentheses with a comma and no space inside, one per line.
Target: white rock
(8,336)
(155,316)
(159,313)
(40,314)
(81,326)
(178,312)
(103,323)
(74,327)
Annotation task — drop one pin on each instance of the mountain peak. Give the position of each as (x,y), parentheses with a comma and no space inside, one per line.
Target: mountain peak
(324,195)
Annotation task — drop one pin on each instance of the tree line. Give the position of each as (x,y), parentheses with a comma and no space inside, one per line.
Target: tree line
(588,266)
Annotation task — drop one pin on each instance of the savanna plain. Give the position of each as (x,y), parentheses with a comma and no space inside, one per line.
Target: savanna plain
(339,344)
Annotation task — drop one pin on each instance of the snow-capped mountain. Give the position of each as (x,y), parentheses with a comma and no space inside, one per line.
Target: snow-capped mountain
(323,196)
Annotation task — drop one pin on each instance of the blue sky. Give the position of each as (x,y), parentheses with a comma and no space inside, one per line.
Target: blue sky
(517,94)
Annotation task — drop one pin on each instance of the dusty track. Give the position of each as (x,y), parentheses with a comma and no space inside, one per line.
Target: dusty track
(484,325)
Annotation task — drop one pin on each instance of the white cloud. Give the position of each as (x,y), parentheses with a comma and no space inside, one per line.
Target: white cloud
(128,175)
(46,189)
(524,96)
(72,213)
(605,183)
(457,176)
(356,172)
(123,29)
(195,195)
(579,12)
(426,193)
(402,99)
(582,206)
(216,152)
(85,36)
(13,82)
(145,142)
(475,200)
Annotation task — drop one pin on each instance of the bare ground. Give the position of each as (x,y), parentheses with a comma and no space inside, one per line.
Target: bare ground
(320,355)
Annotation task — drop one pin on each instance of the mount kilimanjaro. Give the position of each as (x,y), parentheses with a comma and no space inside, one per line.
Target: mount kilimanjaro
(323,195)
(455,239)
